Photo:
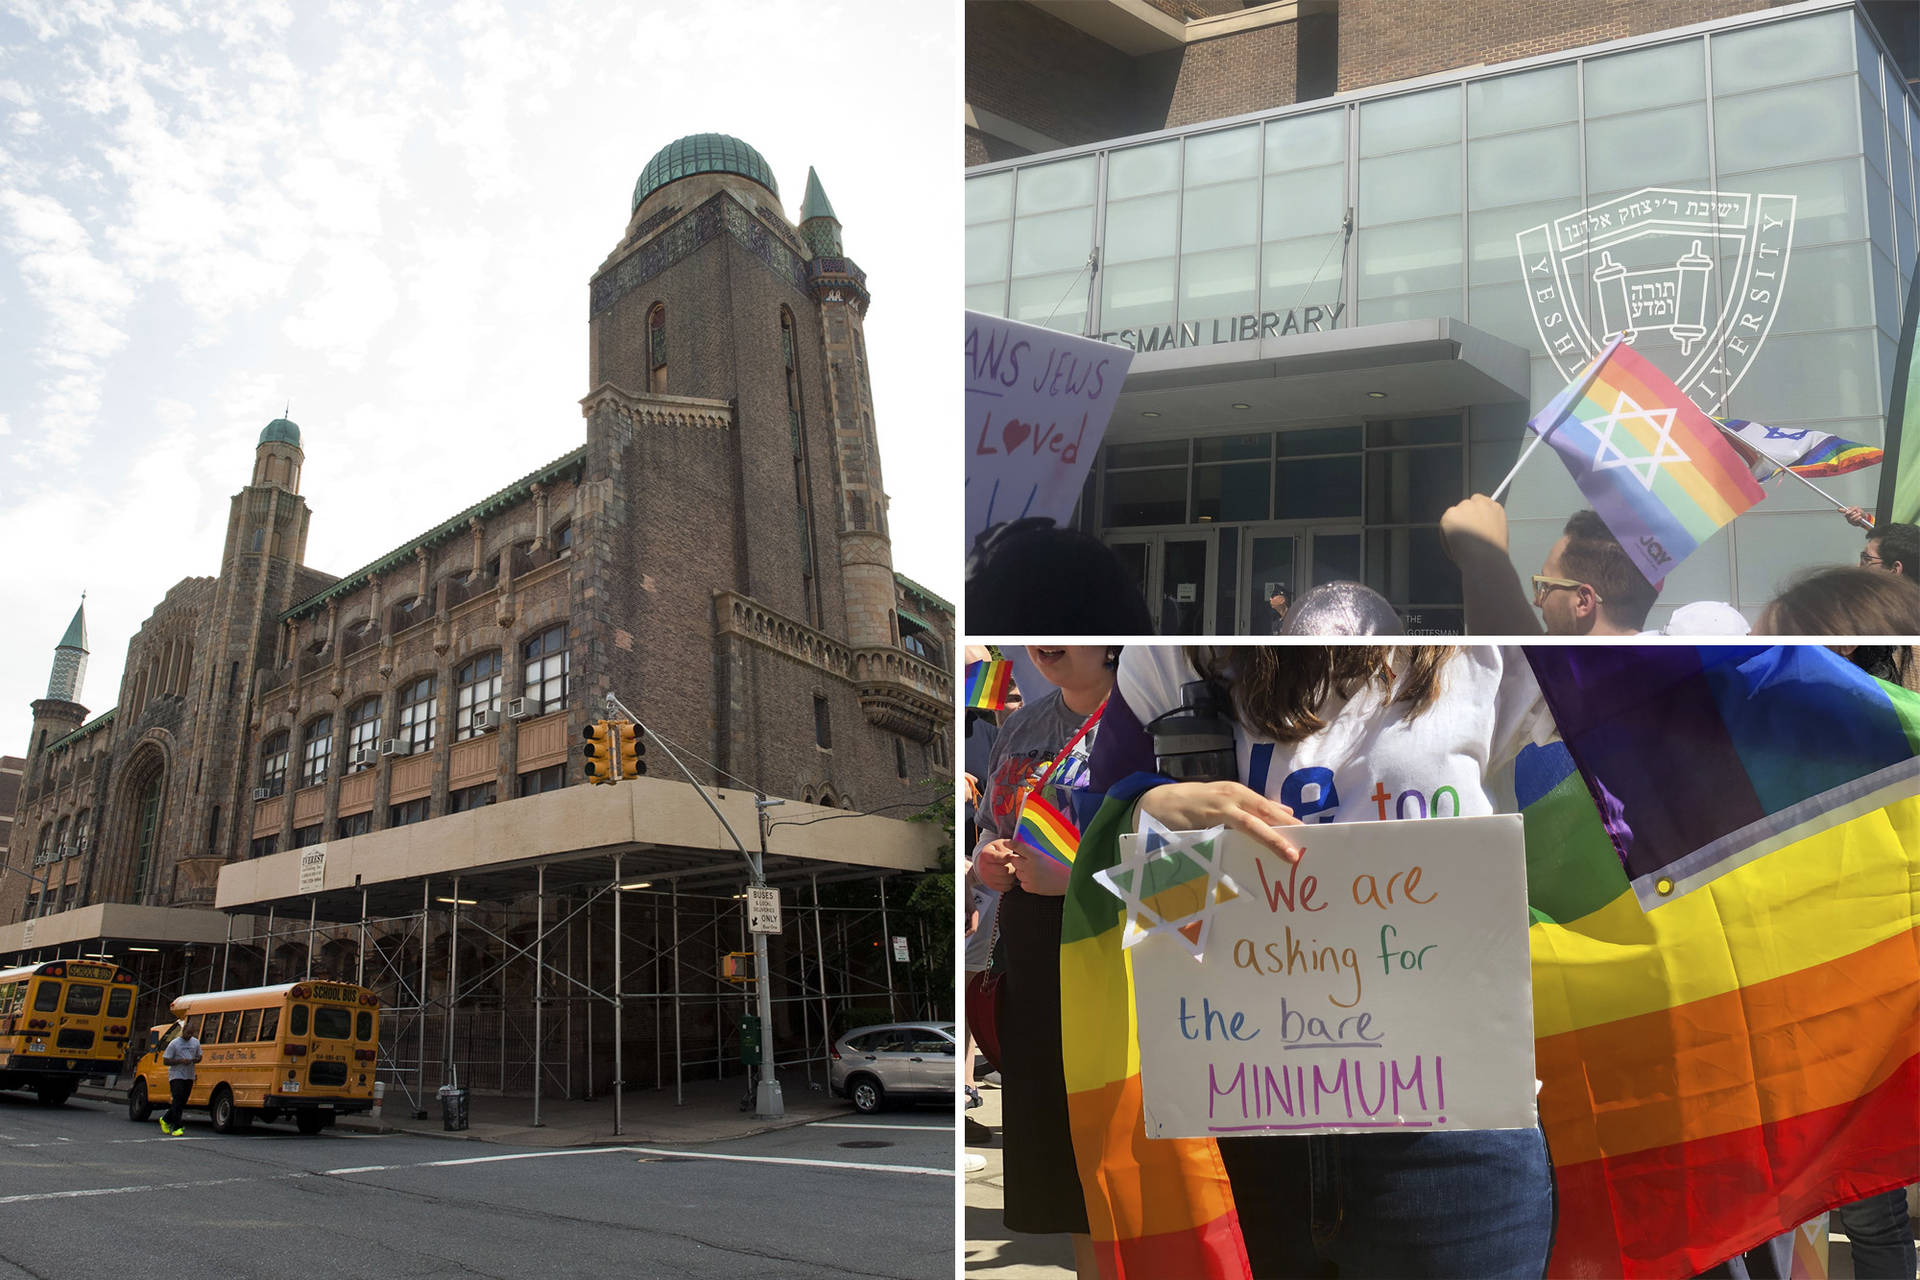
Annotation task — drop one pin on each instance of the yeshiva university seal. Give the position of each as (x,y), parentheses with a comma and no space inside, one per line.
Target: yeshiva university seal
(1697,270)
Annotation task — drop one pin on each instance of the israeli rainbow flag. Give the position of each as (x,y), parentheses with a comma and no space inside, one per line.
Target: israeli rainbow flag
(1801,450)
(1655,468)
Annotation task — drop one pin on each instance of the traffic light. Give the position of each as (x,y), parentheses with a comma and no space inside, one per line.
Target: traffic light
(631,748)
(599,736)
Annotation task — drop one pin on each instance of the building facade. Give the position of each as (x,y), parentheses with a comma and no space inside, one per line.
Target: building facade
(1355,245)
(715,554)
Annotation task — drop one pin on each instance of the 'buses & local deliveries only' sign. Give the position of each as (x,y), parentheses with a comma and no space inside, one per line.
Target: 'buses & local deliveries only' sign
(1381,983)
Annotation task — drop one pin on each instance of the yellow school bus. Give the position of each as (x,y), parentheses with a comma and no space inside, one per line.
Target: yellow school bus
(305,1050)
(61,1022)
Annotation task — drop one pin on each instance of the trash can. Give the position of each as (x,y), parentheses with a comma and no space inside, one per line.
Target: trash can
(453,1108)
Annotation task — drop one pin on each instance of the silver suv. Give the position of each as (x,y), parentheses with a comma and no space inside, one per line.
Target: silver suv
(900,1060)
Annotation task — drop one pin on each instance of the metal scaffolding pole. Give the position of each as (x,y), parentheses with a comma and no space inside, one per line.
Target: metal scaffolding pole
(539,979)
(360,961)
(426,921)
(313,919)
(568,1041)
(589,954)
(619,1028)
(266,953)
(679,1094)
(886,947)
(659,1021)
(226,954)
(820,951)
(453,981)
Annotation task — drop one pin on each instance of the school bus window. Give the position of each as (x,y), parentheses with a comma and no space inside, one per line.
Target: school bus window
(47,998)
(364,1031)
(193,1025)
(119,1000)
(250,1026)
(269,1023)
(229,1026)
(297,1021)
(84,997)
(332,1022)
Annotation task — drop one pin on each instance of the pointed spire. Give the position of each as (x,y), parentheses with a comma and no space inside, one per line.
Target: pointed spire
(76,637)
(70,658)
(818,226)
(815,205)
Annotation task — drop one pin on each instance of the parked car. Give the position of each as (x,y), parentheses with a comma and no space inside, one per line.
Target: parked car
(894,1061)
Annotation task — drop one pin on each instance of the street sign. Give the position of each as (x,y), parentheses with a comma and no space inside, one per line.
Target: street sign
(899,949)
(763,909)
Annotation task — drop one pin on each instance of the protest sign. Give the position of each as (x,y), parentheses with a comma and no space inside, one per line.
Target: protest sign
(1037,407)
(1380,983)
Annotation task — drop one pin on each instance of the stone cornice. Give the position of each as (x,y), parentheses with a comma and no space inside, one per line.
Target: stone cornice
(658,410)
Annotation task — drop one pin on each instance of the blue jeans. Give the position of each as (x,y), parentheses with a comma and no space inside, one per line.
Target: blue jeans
(1879,1235)
(1473,1203)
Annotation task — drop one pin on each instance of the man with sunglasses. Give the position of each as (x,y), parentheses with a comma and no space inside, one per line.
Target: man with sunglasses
(1586,587)
(1894,549)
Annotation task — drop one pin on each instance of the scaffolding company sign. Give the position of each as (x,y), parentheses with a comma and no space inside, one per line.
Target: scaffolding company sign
(763,909)
(313,868)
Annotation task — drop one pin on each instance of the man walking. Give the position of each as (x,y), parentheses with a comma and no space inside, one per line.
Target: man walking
(182,1052)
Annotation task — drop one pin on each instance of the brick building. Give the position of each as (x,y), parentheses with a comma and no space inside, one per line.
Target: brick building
(715,553)
(1356,243)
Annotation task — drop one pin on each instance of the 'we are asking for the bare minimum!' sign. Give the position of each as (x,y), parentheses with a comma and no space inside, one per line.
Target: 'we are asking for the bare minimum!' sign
(1381,983)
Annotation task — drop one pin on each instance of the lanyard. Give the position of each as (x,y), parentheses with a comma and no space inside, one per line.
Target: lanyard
(1027,789)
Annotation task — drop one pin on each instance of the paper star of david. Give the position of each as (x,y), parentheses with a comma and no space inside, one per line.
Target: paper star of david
(1643,466)
(1183,868)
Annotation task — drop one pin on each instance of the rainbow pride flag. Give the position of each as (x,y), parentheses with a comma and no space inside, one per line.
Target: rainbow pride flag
(988,683)
(1800,449)
(1655,467)
(1159,1209)
(1721,1070)
(1046,830)
(1703,758)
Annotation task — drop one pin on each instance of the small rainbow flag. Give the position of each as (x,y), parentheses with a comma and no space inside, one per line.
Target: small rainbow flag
(1655,467)
(1044,829)
(1801,450)
(988,683)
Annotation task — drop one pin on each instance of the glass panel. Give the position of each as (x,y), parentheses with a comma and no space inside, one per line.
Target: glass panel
(1828,206)
(1787,126)
(1226,581)
(1230,493)
(1220,216)
(1873,129)
(1523,101)
(1645,78)
(1233,448)
(1879,212)
(1316,488)
(1410,306)
(1444,429)
(1504,311)
(1304,141)
(1052,242)
(1063,297)
(1778,389)
(1137,295)
(1060,185)
(1143,228)
(987,253)
(1336,558)
(1886,295)
(1183,587)
(1760,57)
(1827,289)
(1304,202)
(1866,56)
(1413,184)
(989,197)
(1139,171)
(1900,174)
(1409,258)
(1133,558)
(1223,155)
(1313,440)
(1408,566)
(1518,167)
(1217,284)
(1146,497)
(1648,149)
(1413,485)
(1410,120)
(1153,453)
(1269,574)
(1492,237)
(990,298)
(1293,271)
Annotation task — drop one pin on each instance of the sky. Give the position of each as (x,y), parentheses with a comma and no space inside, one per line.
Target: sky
(385,215)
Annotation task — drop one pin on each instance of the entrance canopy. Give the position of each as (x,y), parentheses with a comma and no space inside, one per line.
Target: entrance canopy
(660,832)
(1404,368)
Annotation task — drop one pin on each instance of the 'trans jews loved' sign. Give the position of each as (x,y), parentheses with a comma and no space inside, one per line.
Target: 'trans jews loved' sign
(1037,406)
(1380,983)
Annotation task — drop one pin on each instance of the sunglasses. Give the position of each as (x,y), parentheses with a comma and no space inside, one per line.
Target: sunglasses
(1543,584)
(1868,560)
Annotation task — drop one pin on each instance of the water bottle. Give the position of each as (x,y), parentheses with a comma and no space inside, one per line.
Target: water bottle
(1194,742)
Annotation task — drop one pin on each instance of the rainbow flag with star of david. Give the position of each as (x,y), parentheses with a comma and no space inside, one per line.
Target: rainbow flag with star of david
(1655,468)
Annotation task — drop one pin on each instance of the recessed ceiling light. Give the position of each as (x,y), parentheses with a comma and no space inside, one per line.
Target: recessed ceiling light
(1238,405)
(638,884)
(1149,413)
(1376,395)
(459,902)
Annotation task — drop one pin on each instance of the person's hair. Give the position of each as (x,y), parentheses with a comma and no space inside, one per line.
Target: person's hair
(1845,601)
(1594,556)
(1028,577)
(1278,690)
(1899,542)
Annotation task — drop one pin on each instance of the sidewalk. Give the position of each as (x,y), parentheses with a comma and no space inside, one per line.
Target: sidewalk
(991,1250)
(711,1113)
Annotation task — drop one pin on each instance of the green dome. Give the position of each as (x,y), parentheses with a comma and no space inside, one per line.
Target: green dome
(281,431)
(703,153)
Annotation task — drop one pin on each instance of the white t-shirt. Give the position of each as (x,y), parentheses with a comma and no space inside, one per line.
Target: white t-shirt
(1374,760)
(179,1056)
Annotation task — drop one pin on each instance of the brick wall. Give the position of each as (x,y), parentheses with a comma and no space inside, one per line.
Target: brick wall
(1225,76)
(1028,66)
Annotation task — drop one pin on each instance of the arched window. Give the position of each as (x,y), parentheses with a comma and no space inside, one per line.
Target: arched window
(476,688)
(363,732)
(657,348)
(796,434)
(82,823)
(316,747)
(544,681)
(273,764)
(417,710)
(60,839)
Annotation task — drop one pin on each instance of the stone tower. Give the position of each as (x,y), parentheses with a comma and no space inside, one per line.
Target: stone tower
(60,713)
(839,289)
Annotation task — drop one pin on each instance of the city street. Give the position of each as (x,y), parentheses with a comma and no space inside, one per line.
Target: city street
(84,1192)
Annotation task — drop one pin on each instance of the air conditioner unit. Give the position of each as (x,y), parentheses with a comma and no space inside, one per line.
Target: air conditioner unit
(263,793)
(363,757)
(64,851)
(523,708)
(395,747)
(485,719)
